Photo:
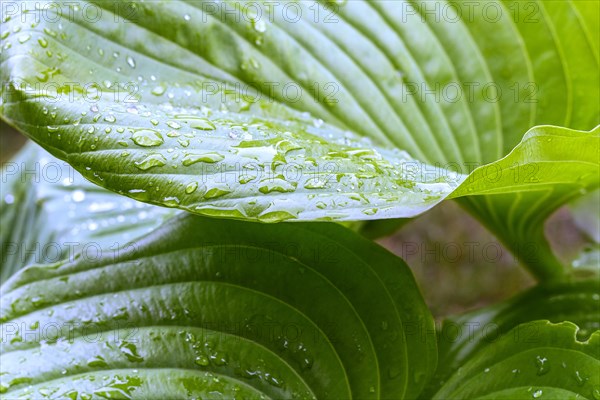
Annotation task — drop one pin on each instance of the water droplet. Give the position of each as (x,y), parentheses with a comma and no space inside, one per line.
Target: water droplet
(158,90)
(198,123)
(53,129)
(278,185)
(259,25)
(43,42)
(315,183)
(130,61)
(542,365)
(253,63)
(24,38)
(173,124)
(171,201)
(581,380)
(202,360)
(537,394)
(370,211)
(215,193)
(153,160)
(191,188)
(147,138)
(97,361)
(210,158)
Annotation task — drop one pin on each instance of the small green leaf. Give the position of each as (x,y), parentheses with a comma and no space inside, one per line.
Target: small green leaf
(462,336)
(534,360)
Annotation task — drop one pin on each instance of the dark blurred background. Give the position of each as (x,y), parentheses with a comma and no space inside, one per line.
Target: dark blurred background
(458,264)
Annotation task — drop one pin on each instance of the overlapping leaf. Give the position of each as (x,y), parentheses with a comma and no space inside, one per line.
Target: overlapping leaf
(205,306)
(205,128)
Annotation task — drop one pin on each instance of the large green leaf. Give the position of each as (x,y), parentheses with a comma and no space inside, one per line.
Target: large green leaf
(461,337)
(203,305)
(534,360)
(49,212)
(200,105)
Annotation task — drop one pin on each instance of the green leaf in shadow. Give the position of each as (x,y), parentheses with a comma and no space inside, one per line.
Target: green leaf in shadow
(222,301)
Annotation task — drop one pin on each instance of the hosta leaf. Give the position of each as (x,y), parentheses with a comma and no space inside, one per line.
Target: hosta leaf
(233,165)
(223,74)
(534,360)
(205,305)
(50,212)
(463,336)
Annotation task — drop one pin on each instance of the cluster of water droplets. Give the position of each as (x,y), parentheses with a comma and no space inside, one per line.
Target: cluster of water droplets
(214,157)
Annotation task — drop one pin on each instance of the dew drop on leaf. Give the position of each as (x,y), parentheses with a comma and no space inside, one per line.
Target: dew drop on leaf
(259,25)
(173,124)
(147,138)
(153,160)
(158,90)
(215,193)
(191,188)
(202,360)
(542,365)
(209,158)
(171,201)
(24,38)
